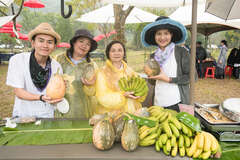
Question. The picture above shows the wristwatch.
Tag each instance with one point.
(40, 98)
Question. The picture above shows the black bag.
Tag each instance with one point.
(219, 72)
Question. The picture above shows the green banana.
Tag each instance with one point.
(174, 129)
(173, 141)
(165, 150)
(164, 138)
(164, 117)
(182, 151)
(143, 92)
(167, 129)
(157, 147)
(168, 145)
(180, 141)
(187, 141)
(184, 129)
(174, 151)
(146, 143)
(176, 122)
(151, 137)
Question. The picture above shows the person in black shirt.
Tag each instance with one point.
(201, 54)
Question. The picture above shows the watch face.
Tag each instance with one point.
(63, 106)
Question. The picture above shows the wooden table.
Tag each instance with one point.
(80, 152)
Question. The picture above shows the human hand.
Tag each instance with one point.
(162, 76)
(131, 95)
(89, 82)
(50, 100)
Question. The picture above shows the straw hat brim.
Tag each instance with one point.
(47, 32)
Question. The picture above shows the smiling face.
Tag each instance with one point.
(163, 38)
(116, 52)
(81, 46)
(43, 44)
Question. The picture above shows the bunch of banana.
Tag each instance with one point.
(134, 84)
(158, 113)
(148, 135)
(203, 146)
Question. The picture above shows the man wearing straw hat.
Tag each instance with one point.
(29, 74)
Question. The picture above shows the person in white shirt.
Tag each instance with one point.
(172, 83)
(29, 74)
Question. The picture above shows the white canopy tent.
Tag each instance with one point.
(5, 19)
(5, 3)
(206, 22)
(106, 15)
(153, 3)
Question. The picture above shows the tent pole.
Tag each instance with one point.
(193, 49)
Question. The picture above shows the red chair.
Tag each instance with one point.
(210, 72)
(228, 71)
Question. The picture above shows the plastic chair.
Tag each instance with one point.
(208, 74)
(228, 71)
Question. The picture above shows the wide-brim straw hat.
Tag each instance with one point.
(148, 33)
(44, 28)
(84, 33)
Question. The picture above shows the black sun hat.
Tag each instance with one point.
(148, 34)
(84, 33)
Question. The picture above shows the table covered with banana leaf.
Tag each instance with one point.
(72, 139)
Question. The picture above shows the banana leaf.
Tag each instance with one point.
(49, 132)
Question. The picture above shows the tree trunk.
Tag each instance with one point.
(120, 19)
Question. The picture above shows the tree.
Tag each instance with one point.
(120, 19)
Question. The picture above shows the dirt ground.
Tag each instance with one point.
(210, 91)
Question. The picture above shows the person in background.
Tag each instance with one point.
(74, 62)
(201, 55)
(222, 58)
(172, 84)
(110, 97)
(29, 74)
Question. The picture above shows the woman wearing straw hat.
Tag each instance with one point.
(172, 83)
(79, 91)
(29, 74)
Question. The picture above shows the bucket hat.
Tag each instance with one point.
(84, 33)
(178, 30)
(44, 28)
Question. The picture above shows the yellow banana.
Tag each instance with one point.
(144, 134)
(207, 142)
(200, 141)
(214, 143)
(193, 147)
(142, 129)
(206, 155)
(197, 153)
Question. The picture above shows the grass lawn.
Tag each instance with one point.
(206, 90)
